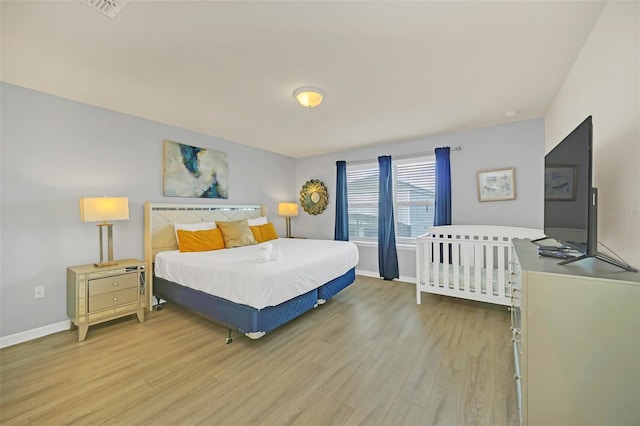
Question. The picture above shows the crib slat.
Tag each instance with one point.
(436, 264)
(466, 261)
(455, 264)
(445, 265)
(488, 285)
(502, 254)
(419, 270)
(477, 268)
(427, 263)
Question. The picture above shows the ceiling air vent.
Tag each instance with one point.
(108, 8)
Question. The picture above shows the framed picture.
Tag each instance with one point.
(497, 185)
(560, 183)
(190, 171)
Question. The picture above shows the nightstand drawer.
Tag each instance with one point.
(114, 283)
(114, 298)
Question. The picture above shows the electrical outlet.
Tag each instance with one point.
(38, 292)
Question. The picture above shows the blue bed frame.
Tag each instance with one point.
(252, 322)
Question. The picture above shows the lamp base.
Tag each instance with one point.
(288, 221)
(109, 261)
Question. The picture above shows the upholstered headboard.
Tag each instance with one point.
(159, 234)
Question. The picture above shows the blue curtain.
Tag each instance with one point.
(443, 187)
(387, 255)
(342, 214)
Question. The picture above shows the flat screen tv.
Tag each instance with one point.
(570, 200)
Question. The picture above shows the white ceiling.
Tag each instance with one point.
(391, 70)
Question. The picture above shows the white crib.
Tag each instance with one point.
(467, 261)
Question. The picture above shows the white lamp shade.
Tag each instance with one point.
(309, 96)
(104, 209)
(288, 209)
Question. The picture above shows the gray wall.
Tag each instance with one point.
(55, 151)
(517, 144)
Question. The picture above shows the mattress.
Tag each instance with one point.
(472, 278)
(235, 275)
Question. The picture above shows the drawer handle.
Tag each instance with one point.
(115, 299)
(115, 284)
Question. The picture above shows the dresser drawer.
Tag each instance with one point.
(113, 283)
(112, 299)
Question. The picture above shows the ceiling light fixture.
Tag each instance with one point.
(308, 96)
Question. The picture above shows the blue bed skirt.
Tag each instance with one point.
(243, 318)
(332, 288)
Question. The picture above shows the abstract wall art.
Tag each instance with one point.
(190, 171)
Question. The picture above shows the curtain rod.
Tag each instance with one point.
(402, 157)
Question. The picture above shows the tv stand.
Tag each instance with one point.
(602, 257)
(575, 357)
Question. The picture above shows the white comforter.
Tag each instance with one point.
(234, 274)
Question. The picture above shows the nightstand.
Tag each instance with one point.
(96, 295)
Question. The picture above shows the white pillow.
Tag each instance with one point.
(262, 220)
(199, 226)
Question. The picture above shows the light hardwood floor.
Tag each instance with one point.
(369, 356)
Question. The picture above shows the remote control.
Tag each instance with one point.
(556, 254)
(554, 248)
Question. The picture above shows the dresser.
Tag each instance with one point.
(576, 340)
(96, 295)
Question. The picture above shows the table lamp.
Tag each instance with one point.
(288, 210)
(104, 209)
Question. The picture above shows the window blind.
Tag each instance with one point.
(414, 197)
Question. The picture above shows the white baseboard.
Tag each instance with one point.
(372, 274)
(25, 336)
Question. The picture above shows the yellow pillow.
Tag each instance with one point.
(236, 233)
(189, 241)
(257, 234)
(264, 232)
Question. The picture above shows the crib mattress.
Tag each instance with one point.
(472, 278)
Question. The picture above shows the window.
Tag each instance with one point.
(413, 192)
(362, 201)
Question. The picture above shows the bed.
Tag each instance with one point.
(229, 286)
(468, 261)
